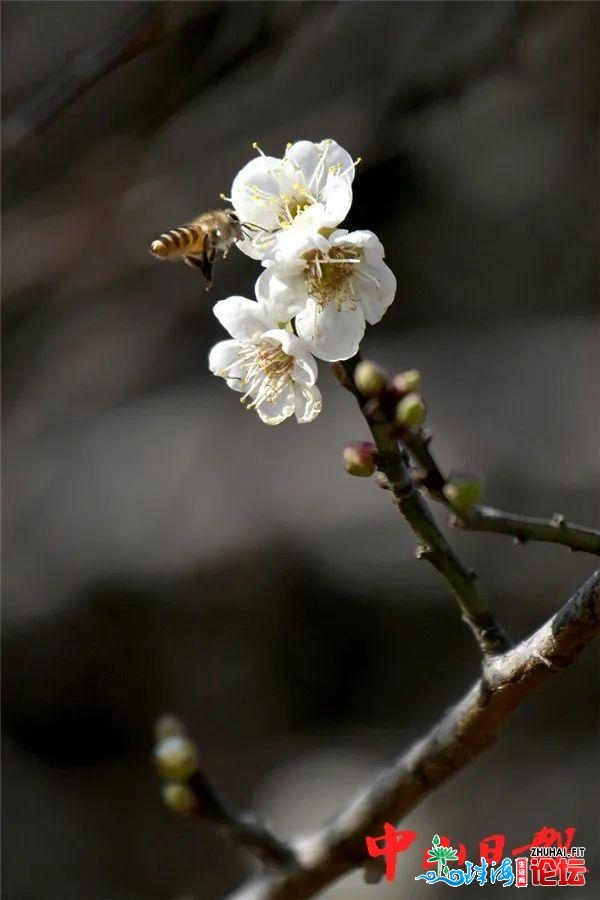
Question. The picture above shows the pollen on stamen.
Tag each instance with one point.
(257, 148)
(223, 197)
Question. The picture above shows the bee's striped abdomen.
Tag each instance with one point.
(177, 241)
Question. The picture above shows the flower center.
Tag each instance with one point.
(328, 275)
(267, 369)
(294, 204)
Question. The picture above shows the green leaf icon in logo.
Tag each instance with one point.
(441, 855)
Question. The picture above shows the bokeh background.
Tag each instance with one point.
(164, 550)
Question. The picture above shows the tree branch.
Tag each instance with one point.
(555, 530)
(463, 733)
(433, 546)
(137, 31)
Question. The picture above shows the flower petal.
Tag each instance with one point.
(223, 361)
(243, 318)
(314, 162)
(282, 408)
(255, 192)
(302, 236)
(332, 334)
(282, 290)
(367, 240)
(337, 198)
(376, 288)
(308, 403)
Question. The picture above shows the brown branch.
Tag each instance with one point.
(464, 732)
(146, 26)
(433, 546)
(555, 530)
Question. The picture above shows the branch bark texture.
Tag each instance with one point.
(464, 732)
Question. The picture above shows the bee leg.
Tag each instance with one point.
(209, 258)
(194, 262)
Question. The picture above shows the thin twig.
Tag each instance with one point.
(433, 546)
(243, 829)
(187, 790)
(465, 731)
(137, 31)
(555, 530)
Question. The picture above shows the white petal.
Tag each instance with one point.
(375, 286)
(223, 362)
(241, 317)
(305, 371)
(314, 162)
(308, 403)
(337, 198)
(255, 192)
(282, 408)
(259, 246)
(282, 291)
(332, 334)
(367, 240)
(303, 235)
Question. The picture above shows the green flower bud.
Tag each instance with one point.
(176, 758)
(360, 458)
(178, 797)
(370, 379)
(411, 411)
(408, 382)
(463, 490)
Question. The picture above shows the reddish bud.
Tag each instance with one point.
(360, 458)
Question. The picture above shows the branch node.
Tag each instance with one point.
(424, 552)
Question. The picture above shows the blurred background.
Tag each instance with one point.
(165, 551)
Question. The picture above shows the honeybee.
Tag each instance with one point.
(198, 243)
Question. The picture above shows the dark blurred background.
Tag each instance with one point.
(163, 550)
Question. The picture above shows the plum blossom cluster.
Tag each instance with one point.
(319, 287)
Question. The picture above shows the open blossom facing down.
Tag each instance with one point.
(332, 285)
(271, 366)
(309, 188)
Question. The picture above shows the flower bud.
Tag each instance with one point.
(176, 758)
(178, 797)
(408, 382)
(168, 726)
(463, 490)
(370, 379)
(411, 411)
(360, 458)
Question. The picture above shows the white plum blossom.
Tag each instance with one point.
(308, 189)
(270, 365)
(332, 285)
